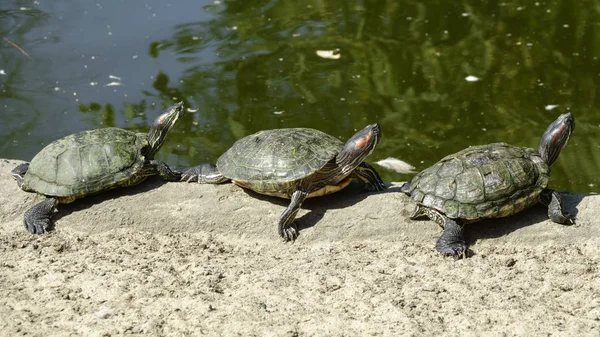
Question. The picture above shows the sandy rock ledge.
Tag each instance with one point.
(178, 259)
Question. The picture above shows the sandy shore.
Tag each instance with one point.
(181, 259)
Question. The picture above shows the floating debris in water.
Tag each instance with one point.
(191, 110)
(2, 72)
(471, 78)
(329, 54)
(396, 165)
(278, 112)
(115, 83)
(550, 106)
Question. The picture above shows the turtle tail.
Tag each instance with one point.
(405, 188)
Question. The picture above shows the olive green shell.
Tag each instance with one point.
(86, 162)
(487, 181)
(270, 160)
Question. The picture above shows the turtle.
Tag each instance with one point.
(294, 163)
(93, 161)
(489, 181)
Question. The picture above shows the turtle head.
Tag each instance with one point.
(358, 147)
(160, 128)
(556, 137)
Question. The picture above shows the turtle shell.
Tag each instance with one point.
(86, 162)
(269, 160)
(487, 181)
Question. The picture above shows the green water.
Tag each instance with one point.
(243, 65)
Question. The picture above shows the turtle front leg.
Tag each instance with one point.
(204, 174)
(452, 241)
(19, 173)
(37, 219)
(553, 200)
(369, 177)
(287, 229)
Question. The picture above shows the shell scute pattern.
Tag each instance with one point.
(278, 156)
(485, 181)
(470, 189)
(85, 162)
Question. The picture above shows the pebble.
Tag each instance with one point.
(103, 313)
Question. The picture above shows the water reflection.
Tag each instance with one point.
(251, 65)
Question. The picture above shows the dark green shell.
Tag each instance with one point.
(86, 162)
(278, 157)
(487, 181)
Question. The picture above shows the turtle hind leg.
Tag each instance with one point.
(452, 241)
(287, 229)
(369, 177)
(203, 174)
(37, 219)
(553, 200)
(19, 173)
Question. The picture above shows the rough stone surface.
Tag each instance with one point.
(180, 259)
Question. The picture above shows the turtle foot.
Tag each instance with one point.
(203, 174)
(37, 219)
(553, 200)
(20, 170)
(563, 218)
(19, 173)
(452, 241)
(457, 249)
(165, 172)
(190, 175)
(289, 233)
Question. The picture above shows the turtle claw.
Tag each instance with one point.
(289, 233)
(456, 249)
(203, 174)
(452, 241)
(569, 219)
(37, 219)
(37, 226)
(191, 175)
(19, 173)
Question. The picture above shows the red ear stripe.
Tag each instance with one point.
(363, 141)
(162, 118)
(558, 133)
